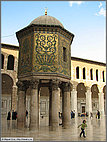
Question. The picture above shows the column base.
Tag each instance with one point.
(21, 125)
(66, 126)
(53, 128)
(33, 127)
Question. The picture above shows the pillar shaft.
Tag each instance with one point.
(101, 102)
(34, 106)
(54, 113)
(74, 100)
(21, 110)
(88, 101)
(14, 98)
(66, 120)
(50, 106)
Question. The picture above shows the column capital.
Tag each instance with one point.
(66, 86)
(101, 93)
(22, 85)
(74, 86)
(34, 83)
(88, 89)
(55, 84)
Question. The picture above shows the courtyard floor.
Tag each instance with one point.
(95, 131)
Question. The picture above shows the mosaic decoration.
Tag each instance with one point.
(42, 53)
(25, 57)
(64, 67)
(45, 52)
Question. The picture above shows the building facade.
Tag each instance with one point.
(86, 76)
(40, 76)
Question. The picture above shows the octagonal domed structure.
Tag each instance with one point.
(46, 20)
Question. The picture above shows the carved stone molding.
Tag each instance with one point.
(34, 83)
(23, 85)
(88, 89)
(66, 87)
(55, 84)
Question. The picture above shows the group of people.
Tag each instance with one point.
(72, 114)
(84, 125)
(14, 115)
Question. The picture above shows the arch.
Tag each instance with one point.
(77, 72)
(7, 83)
(84, 74)
(11, 75)
(91, 74)
(81, 89)
(10, 64)
(95, 91)
(2, 61)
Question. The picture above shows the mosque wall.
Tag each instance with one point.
(96, 81)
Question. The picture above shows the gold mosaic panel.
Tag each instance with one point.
(25, 57)
(45, 57)
(64, 67)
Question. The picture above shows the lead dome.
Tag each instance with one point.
(46, 20)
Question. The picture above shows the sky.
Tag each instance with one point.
(85, 19)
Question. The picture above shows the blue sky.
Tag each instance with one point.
(85, 19)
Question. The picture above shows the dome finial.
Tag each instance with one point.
(46, 11)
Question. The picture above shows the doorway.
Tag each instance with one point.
(83, 109)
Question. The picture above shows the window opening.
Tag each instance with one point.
(64, 54)
(2, 59)
(84, 77)
(97, 75)
(77, 72)
(10, 65)
(103, 76)
(91, 74)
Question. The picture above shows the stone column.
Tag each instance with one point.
(50, 105)
(74, 100)
(66, 117)
(54, 113)
(14, 97)
(88, 100)
(21, 110)
(101, 102)
(34, 105)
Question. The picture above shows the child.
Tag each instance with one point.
(83, 125)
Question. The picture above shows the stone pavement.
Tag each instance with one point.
(95, 131)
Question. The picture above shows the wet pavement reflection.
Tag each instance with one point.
(95, 131)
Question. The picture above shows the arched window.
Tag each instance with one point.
(77, 72)
(91, 74)
(97, 75)
(2, 61)
(84, 77)
(103, 76)
(10, 65)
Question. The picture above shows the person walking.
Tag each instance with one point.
(91, 115)
(98, 114)
(83, 125)
(9, 116)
